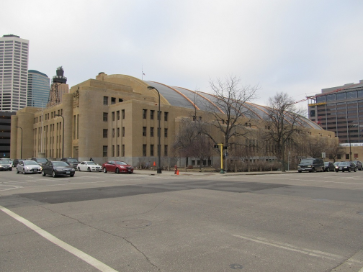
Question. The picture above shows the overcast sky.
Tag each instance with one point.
(297, 47)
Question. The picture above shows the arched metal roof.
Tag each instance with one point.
(181, 97)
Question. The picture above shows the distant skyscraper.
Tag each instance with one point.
(13, 72)
(38, 89)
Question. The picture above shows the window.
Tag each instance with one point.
(165, 150)
(120, 100)
(123, 150)
(144, 150)
(105, 100)
(104, 152)
(118, 132)
(123, 131)
(152, 132)
(118, 115)
(152, 150)
(143, 131)
(113, 151)
(152, 114)
(105, 117)
(105, 133)
(165, 116)
(113, 133)
(347, 156)
(118, 150)
(123, 114)
(144, 112)
(113, 100)
(113, 116)
(165, 132)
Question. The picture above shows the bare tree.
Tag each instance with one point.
(282, 124)
(229, 109)
(333, 149)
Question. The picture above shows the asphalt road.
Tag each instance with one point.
(110, 222)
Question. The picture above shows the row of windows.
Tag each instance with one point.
(144, 132)
(152, 150)
(114, 115)
(113, 100)
(339, 96)
(53, 114)
(152, 114)
(115, 151)
(114, 132)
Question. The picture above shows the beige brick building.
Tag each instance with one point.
(114, 117)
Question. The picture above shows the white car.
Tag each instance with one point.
(89, 166)
(28, 166)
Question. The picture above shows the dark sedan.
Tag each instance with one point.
(329, 166)
(117, 167)
(345, 166)
(57, 168)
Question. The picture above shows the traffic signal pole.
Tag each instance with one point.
(221, 146)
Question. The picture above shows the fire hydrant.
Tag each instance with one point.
(176, 172)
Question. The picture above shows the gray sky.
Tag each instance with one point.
(297, 47)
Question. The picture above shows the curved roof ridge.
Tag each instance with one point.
(252, 110)
(198, 93)
(190, 101)
(273, 109)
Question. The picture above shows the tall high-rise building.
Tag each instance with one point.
(14, 53)
(38, 89)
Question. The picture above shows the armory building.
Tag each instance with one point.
(115, 117)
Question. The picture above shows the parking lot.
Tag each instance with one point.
(190, 222)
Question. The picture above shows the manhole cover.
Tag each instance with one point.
(135, 223)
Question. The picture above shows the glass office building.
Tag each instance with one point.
(38, 89)
(13, 72)
(340, 109)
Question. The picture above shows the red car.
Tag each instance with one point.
(117, 167)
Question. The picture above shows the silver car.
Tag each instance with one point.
(28, 166)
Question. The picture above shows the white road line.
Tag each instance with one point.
(310, 252)
(11, 188)
(78, 253)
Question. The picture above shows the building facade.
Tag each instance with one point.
(13, 72)
(38, 89)
(116, 117)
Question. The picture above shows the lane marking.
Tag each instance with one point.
(78, 253)
(310, 252)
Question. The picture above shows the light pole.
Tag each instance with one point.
(350, 143)
(21, 144)
(58, 115)
(159, 130)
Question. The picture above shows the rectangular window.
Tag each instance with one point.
(165, 116)
(165, 150)
(113, 116)
(113, 133)
(118, 150)
(165, 132)
(113, 151)
(105, 100)
(113, 100)
(118, 115)
(143, 131)
(152, 114)
(123, 150)
(144, 150)
(347, 156)
(152, 150)
(152, 132)
(144, 113)
(105, 133)
(123, 114)
(123, 131)
(105, 117)
(104, 151)
(118, 132)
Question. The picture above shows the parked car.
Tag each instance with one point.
(311, 165)
(89, 166)
(58, 168)
(329, 166)
(345, 166)
(359, 165)
(28, 167)
(40, 161)
(71, 161)
(117, 167)
(6, 165)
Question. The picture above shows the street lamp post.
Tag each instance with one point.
(58, 115)
(159, 130)
(21, 144)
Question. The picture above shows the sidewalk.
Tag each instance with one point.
(195, 173)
